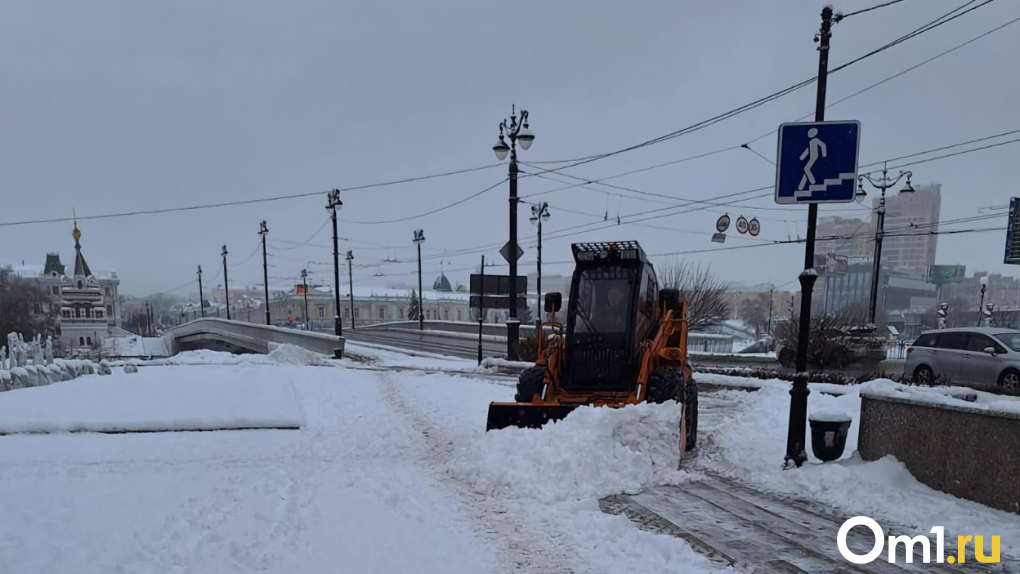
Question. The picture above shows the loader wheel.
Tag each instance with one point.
(530, 384)
(691, 413)
(664, 384)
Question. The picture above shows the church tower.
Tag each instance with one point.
(83, 315)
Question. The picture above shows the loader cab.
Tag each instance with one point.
(610, 309)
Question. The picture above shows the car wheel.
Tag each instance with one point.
(923, 375)
(1010, 379)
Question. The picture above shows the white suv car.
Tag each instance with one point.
(974, 355)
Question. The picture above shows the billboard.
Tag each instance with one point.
(942, 274)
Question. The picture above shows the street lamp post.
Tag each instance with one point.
(304, 282)
(539, 213)
(263, 231)
(332, 206)
(981, 305)
(201, 298)
(883, 183)
(350, 278)
(226, 285)
(419, 238)
(517, 132)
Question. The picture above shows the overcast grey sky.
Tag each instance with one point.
(120, 106)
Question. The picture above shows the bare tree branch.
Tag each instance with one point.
(705, 293)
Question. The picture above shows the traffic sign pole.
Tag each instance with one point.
(796, 452)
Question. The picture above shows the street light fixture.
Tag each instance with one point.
(517, 132)
(333, 204)
(883, 183)
(539, 213)
(264, 231)
(419, 238)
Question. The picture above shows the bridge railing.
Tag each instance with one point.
(208, 331)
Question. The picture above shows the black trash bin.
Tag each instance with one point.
(828, 434)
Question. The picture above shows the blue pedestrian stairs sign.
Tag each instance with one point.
(817, 162)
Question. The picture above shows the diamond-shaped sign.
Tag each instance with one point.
(507, 250)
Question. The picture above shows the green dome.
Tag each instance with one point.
(442, 285)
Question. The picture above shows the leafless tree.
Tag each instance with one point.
(705, 293)
(21, 308)
(828, 343)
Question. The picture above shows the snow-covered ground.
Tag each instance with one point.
(751, 447)
(392, 472)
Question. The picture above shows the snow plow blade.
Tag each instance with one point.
(524, 415)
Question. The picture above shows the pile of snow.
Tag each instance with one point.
(206, 357)
(592, 453)
(153, 400)
(136, 346)
(294, 355)
(548, 481)
(751, 445)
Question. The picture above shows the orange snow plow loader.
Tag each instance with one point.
(624, 342)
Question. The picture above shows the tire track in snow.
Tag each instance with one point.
(523, 549)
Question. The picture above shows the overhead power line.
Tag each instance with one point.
(845, 16)
(445, 207)
(948, 17)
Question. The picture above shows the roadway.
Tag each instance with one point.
(461, 345)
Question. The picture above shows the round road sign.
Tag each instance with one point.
(722, 224)
(741, 224)
(753, 227)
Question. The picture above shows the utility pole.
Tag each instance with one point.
(981, 305)
(226, 285)
(263, 231)
(304, 281)
(539, 213)
(517, 132)
(419, 238)
(481, 312)
(332, 205)
(769, 329)
(796, 433)
(350, 278)
(201, 297)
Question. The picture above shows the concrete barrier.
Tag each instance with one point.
(967, 452)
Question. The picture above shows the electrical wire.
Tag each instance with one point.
(845, 16)
(445, 207)
(242, 202)
(948, 17)
(955, 154)
(306, 242)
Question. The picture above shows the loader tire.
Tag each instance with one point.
(529, 384)
(664, 384)
(691, 413)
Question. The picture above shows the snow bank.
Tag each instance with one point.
(153, 400)
(548, 480)
(497, 363)
(962, 397)
(294, 355)
(750, 447)
(592, 453)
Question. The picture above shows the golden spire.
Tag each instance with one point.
(76, 234)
